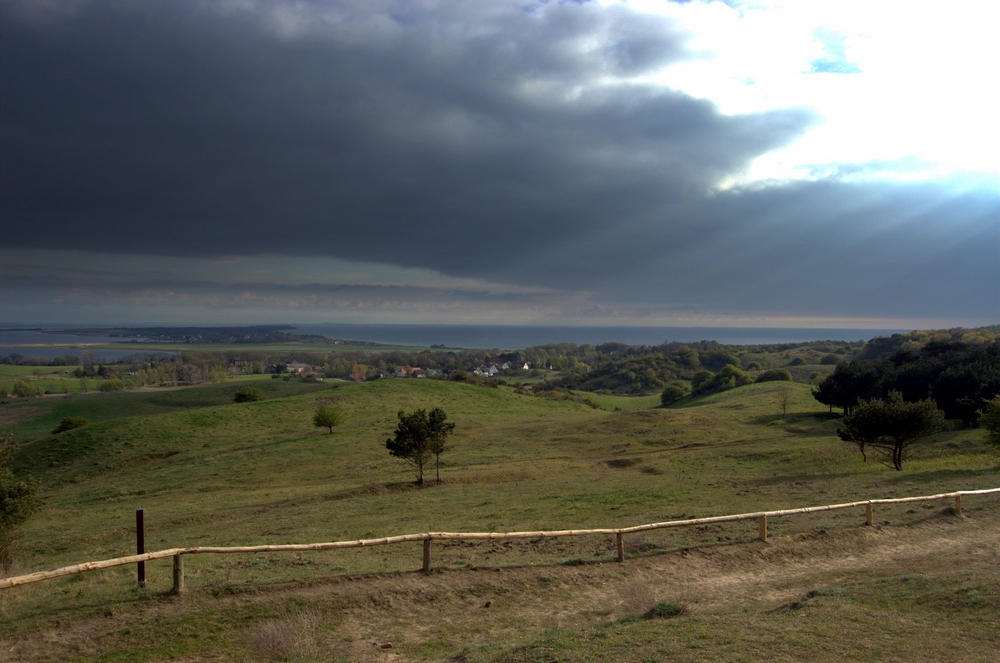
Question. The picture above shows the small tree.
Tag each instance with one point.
(418, 436)
(326, 417)
(890, 426)
(989, 419)
(17, 502)
(674, 391)
(784, 398)
(439, 430)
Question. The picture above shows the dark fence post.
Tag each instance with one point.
(140, 545)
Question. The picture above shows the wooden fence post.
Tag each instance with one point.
(619, 541)
(869, 514)
(958, 504)
(762, 527)
(178, 575)
(427, 555)
(140, 546)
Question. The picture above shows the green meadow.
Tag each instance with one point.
(207, 471)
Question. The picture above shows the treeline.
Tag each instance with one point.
(17, 359)
(960, 378)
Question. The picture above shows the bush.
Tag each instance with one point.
(774, 375)
(730, 376)
(674, 391)
(26, 389)
(798, 361)
(69, 423)
(665, 610)
(248, 395)
(17, 502)
(112, 384)
(830, 360)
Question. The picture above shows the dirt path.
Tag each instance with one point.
(460, 607)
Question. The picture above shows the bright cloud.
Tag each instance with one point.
(905, 84)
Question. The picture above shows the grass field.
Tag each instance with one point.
(209, 472)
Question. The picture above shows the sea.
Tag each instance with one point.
(26, 340)
(515, 337)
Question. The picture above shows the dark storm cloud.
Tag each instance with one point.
(502, 142)
(170, 127)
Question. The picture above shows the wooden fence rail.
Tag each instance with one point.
(427, 537)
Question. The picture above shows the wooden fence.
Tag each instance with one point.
(618, 532)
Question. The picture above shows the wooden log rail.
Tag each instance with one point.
(427, 537)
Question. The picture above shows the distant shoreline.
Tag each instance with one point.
(503, 337)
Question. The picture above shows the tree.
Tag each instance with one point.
(784, 398)
(26, 389)
(326, 417)
(418, 436)
(989, 419)
(674, 391)
(248, 395)
(439, 430)
(775, 375)
(17, 502)
(891, 425)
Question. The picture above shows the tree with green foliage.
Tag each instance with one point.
(326, 417)
(775, 375)
(730, 376)
(700, 380)
(248, 395)
(989, 419)
(418, 437)
(17, 502)
(69, 423)
(674, 391)
(891, 426)
(27, 389)
(439, 429)
(112, 384)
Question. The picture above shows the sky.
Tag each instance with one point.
(701, 163)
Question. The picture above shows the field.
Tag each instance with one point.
(209, 472)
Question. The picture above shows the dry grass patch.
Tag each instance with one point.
(288, 638)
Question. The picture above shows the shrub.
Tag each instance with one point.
(286, 639)
(248, 395)
(798, 361)
(17, 502)
(830, 360)
(69, 423)
(665, 610)
(112, 384)
(637, 597)
(26, 389)
(775, 375)
(730, 376)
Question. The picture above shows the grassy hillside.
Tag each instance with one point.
(207, 471)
